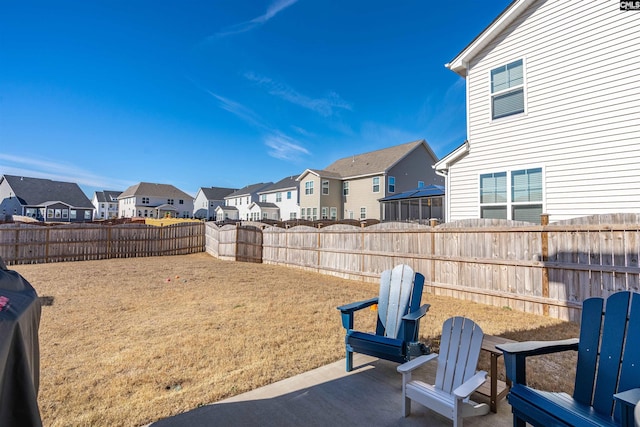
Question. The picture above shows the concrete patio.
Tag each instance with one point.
(370, 395)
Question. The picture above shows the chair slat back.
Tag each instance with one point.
(396, 288)
(459, 352)
(608, 330)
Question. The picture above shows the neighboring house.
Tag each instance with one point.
(150, 200)
(43, 199)
(284, 196)
(105, 204)
(208, 199)
(553, 115)
(241, 200)
(350, 188)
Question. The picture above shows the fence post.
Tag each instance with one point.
(433, 222)
(544, 238)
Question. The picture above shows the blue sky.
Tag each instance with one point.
(225, 92)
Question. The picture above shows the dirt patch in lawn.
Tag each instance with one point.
(131, 341)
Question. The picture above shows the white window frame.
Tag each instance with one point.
(522, 86)
(308, 188)
(324, 213)
(278, 197)
(325, 187)
(510, 204)
(375, 184)
(363, 212)
(345, 188)
(333, 213)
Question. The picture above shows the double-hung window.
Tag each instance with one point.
(345, 188)
(376, 184)
(308, 188)
(325, 188)
(392, 184)
(507, 90)
(515, 195)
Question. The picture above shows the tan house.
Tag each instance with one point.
(351, 187)
(151, 200)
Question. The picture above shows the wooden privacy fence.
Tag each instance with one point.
(30, 244)
(546, 269)
(234, 242)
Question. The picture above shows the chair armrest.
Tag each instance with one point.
(465, 389)
(535, 348)
(419, 313)
(359, 305)
(416, 363)
(629, 401)
(515, 355)
(348, 310)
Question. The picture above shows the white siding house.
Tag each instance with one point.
(105, 204)
(238, 203)
(553, 114)
(284, 195)
(207, 200)
(151, 200)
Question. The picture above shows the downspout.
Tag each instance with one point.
(447, 194)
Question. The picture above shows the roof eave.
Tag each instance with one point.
(460, 63)
(452, 157)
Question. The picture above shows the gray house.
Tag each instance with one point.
(43, 199)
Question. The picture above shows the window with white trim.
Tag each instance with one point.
(263, 198)
(363, 213)
(325, 188)
(308, 188)
(520, 201)
(345, 188)
(507, 90)
(392, 184)
(278, 197)
(333, 212)
(376, 184)
(323, 214)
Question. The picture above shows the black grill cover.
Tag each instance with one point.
(19, 350)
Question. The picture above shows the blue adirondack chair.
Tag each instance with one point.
(399, 314)
(607, 384)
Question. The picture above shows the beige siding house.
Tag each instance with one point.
(151, 200)
(553, 114)
(350, 188)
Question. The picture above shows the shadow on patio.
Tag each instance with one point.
(370, 395)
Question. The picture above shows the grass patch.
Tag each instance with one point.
(131, 341)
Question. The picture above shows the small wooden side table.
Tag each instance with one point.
(497, 389)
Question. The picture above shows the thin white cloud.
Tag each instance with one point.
(45, 169)
(281, 146)
(238, 110)
(324, 106)
(284, 148)
(273, 9)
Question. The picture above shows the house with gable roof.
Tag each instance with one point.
(553, 115)
(151, 200)
(105, 204)
(236, 206)
(278, 201)
(43, 199)
(208, 199)
(351, 187)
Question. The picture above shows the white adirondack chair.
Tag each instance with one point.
(456, 376)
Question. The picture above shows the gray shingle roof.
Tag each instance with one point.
(107, 196)
(284, 183)
(37, 191)
(150, 189)
(217, 193)
(249, 189)
(374, 162)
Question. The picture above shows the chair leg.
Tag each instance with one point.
(518, 422)
(349, 360)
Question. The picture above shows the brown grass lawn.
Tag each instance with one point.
(131, 341)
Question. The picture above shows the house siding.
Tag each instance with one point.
(582, 103)
(361, 195)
